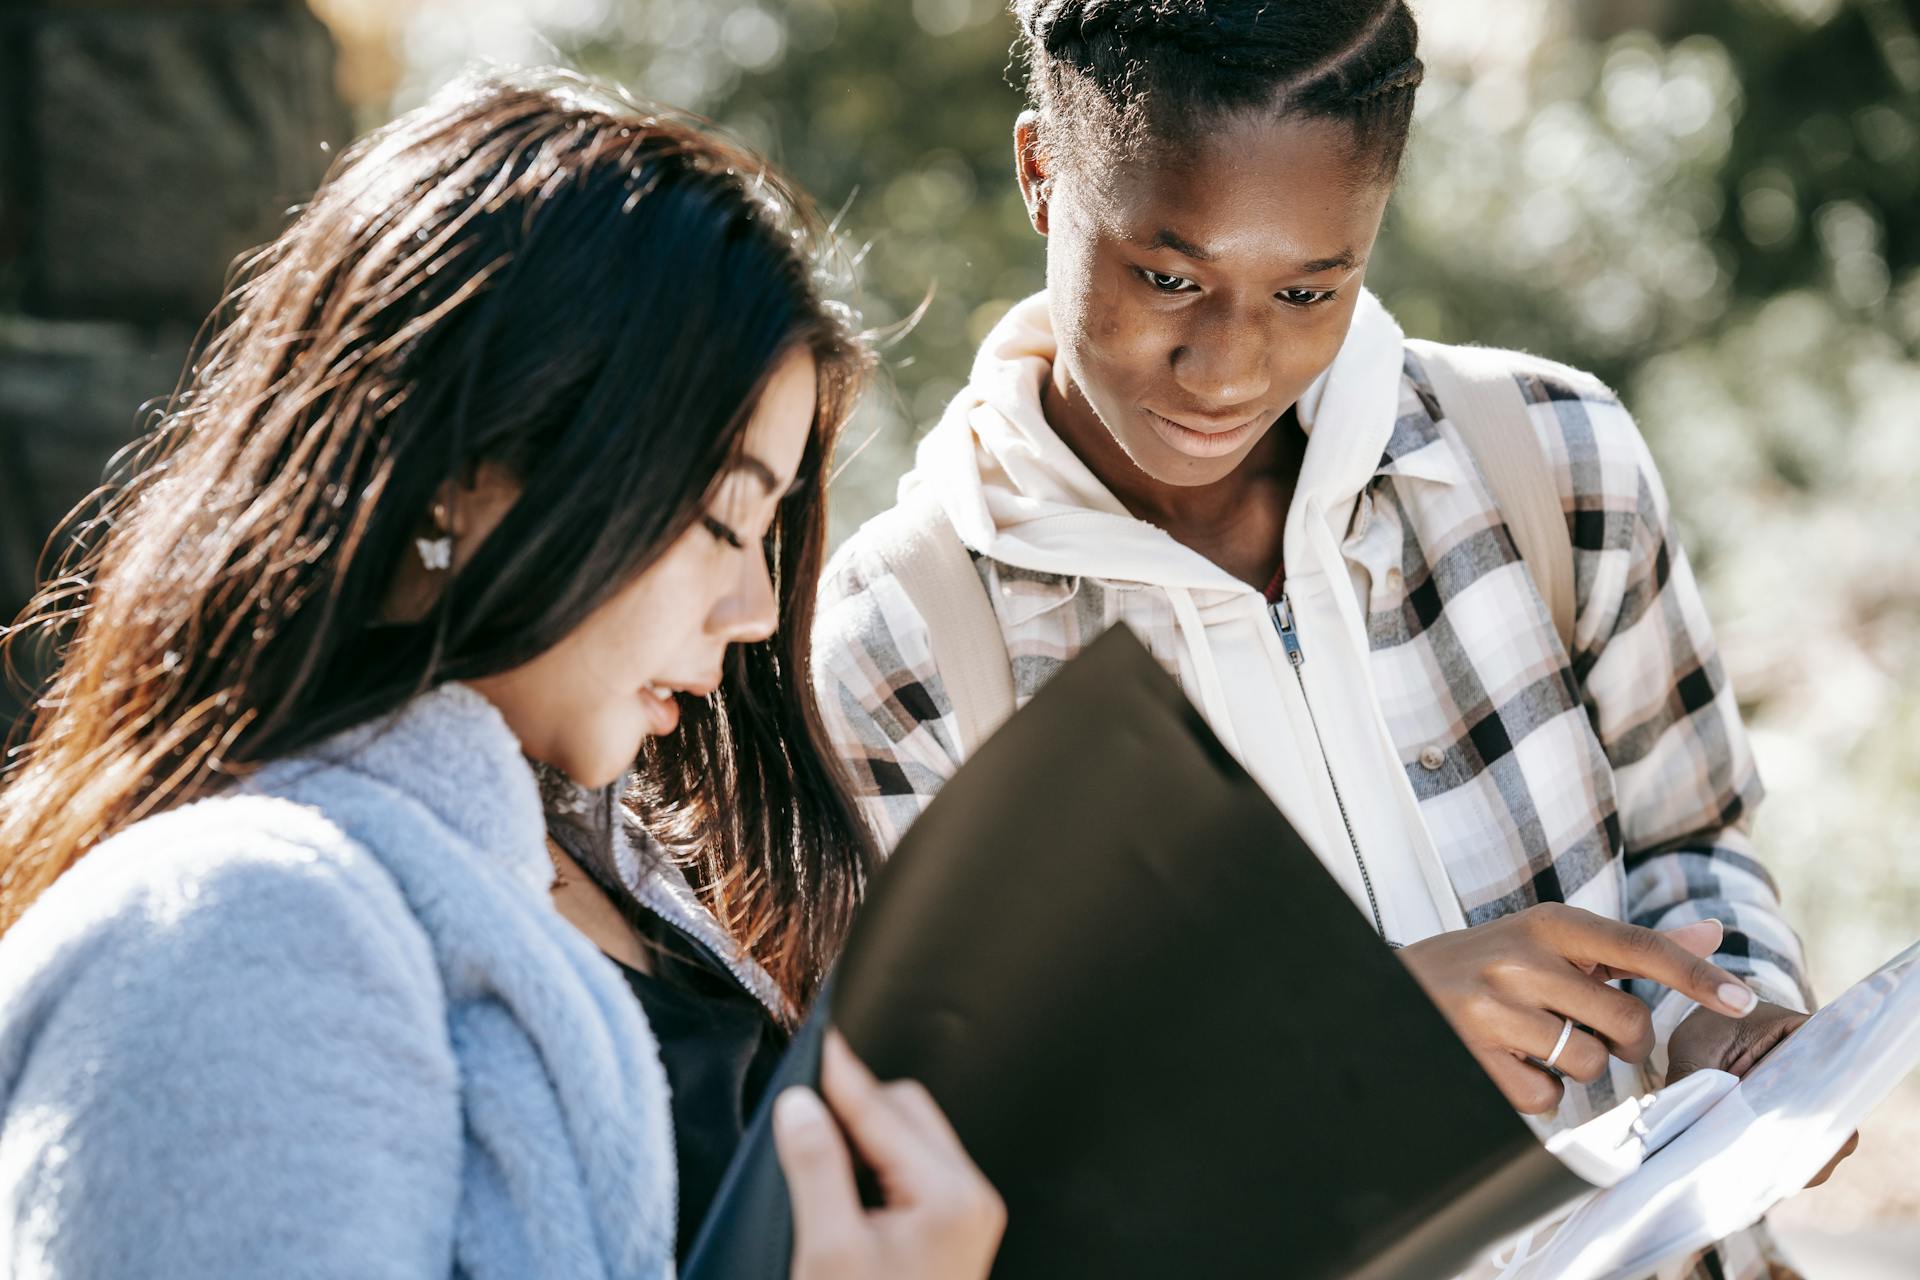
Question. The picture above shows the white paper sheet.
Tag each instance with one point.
(1755, 1146)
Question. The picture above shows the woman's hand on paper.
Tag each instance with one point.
(1508, 987)
(941, 1218)
(1705, 1039)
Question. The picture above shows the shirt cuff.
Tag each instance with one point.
(1668, 1013)
(1672, 1008)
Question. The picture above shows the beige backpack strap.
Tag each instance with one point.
(932, 566)
(1480, 396)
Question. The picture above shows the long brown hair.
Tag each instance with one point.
(532, 272)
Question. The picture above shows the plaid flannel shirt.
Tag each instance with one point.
(1616, 778)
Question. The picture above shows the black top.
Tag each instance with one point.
(719, 1046)
(717, 1041)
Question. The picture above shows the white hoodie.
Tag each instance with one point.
(1312, 735)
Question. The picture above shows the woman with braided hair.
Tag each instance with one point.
(1206, 428)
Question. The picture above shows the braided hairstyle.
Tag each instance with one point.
(1136, 73)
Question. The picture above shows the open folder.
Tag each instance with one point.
(1157, 1023)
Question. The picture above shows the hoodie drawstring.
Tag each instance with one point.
(1213, 695)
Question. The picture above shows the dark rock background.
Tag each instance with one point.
(144, 146)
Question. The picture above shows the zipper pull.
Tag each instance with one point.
(1282, 610)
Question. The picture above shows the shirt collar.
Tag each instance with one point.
(1419, 449)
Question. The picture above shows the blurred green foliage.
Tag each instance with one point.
(1607, 183)
(898, 113)
(1714, 204)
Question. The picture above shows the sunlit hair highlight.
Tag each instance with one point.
(532, 272)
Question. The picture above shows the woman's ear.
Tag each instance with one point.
(472, 506)
(1032, 167)
(458, 519)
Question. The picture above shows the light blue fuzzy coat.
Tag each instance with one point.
(330, 1025)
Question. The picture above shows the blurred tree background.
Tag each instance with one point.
(1714, 204)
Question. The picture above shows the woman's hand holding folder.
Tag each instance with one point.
(941, 1219)
(1532, 987)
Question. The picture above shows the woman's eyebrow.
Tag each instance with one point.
(759, 471)
(1166, 239)
(1169, 239)
(1338, 262)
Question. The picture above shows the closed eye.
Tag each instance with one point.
(725, 533)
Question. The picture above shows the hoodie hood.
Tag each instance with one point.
(1016, 493)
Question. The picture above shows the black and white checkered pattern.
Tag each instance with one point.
(1616, 778)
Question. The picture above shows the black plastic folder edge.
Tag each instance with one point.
(1404, 1125)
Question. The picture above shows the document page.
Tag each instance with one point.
(1754, 1147)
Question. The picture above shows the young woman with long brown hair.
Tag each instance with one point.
(509, 453)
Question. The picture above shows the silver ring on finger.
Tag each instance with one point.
(1560, 1045)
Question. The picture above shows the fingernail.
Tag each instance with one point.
(1738, 997)
(798, 1109)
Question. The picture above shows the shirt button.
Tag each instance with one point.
(1394, 576)
(1432, 758)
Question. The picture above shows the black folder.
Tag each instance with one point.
(1160, 1027)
